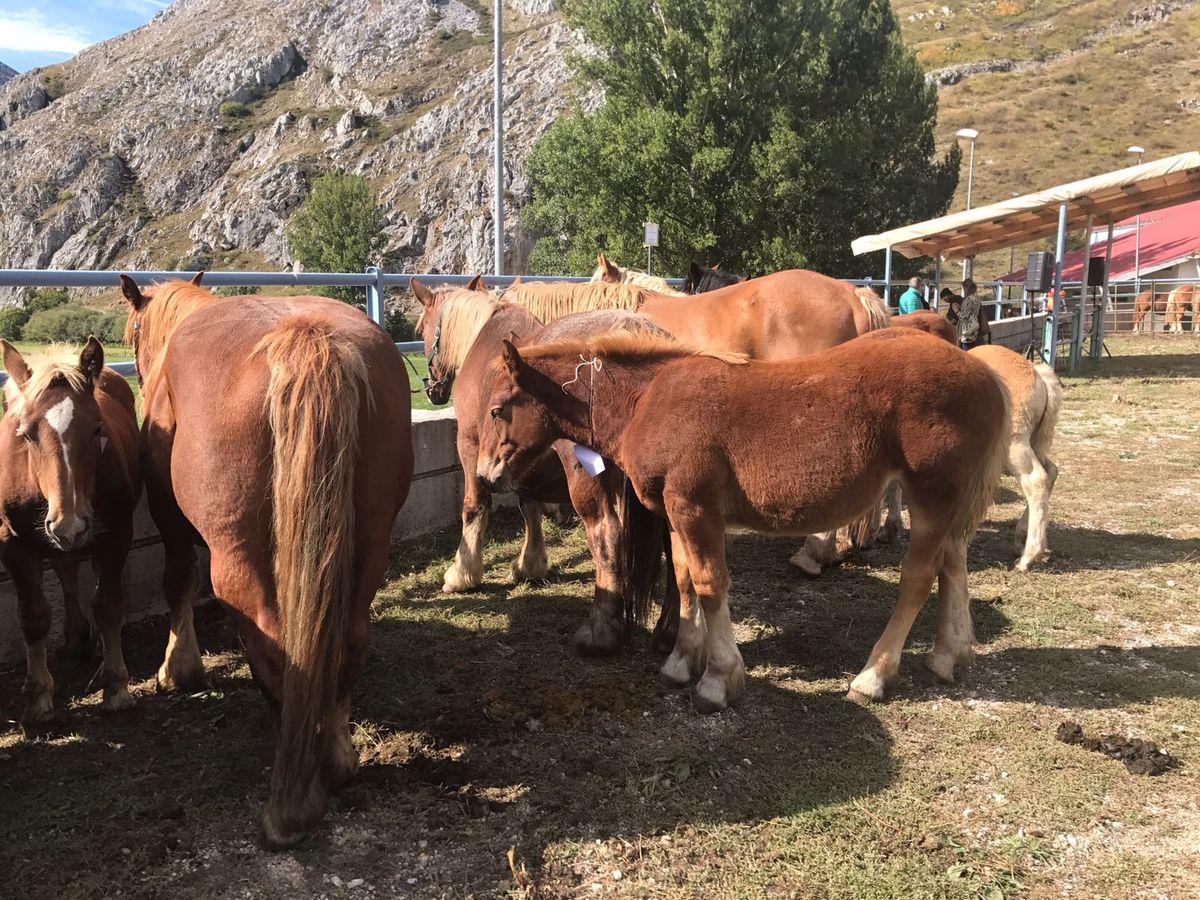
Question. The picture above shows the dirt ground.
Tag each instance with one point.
(484, 738)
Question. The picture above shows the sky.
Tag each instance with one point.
(42, 32)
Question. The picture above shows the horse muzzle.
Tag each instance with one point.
(69, 532)
(438, 392)
(495, 475)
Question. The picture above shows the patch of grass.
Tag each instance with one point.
(232, 109)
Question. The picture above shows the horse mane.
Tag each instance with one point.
(878, 314)
(463, 314)
(170, 303)
(650, 282)
(551, 300)
(632, 348)
(56, 361)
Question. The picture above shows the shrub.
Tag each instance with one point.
(47, 298)
(398, 327)
(235, 290)
(232, 109)
(337, 229)
(12, 320)
(111, 329)
(70, 324)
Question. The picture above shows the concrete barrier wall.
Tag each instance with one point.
(433, 502)
(1017, 333)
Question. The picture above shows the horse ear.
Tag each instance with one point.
(15, 365)
(91, 360)
(512, 358)
(197, 278)
(422, 293)
(133, 293)
(612, 269)
(476, 284)
(515, 281)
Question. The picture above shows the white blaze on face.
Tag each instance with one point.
(59, 416)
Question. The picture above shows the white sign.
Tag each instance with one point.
(651, 237)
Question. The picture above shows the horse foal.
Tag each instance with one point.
(68, 484)
(711, 440)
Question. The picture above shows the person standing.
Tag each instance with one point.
(969, 315)
(912, 300)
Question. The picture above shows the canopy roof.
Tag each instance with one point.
(1110, 197)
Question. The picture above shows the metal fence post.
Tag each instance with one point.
(999, 302)
(887, 277)
(375, 295)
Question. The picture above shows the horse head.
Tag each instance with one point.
(55, 417)
(439, 380)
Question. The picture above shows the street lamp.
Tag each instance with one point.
(1137, 237)
(966, 139)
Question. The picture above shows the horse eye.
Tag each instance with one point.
(496, 411)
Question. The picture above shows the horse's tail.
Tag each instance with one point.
(981, 487)
(878, 315)
(640, 554)
(318, 385)
(1043, 436)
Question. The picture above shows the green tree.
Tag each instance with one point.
(761, 134)
(337, 229)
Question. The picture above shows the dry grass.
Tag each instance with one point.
(481, 731)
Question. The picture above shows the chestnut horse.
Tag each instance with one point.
(1186, 296)
(68, 484)
(611, 273)
(709, 440)
(463, 331)
(277, 431)
(1142, 307)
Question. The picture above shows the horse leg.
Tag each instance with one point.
(954, 637)
(77, 633)
(687, 658)
(1036, 485)
(531, 565)
(666, 629)
(894, 522)
(703, 539)
(819, 550)
(182, 668)
(108, 609)
(917, 572)
(33, 613)
(466, 572)
(595, 501)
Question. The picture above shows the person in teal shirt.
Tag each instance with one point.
(912, 299)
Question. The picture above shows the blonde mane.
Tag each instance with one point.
(549, 301)
(633, 276)
(170, 303)
(463, 314)
(56, 361)
(632, 348)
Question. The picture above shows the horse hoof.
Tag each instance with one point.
(667, 683)
(39, 712)
(942, 666)
(118, 700)
(455, 581)
(535, 571)
(866, 688)
(597, 638)
(169, 682)
(806, 564)
(706, 704)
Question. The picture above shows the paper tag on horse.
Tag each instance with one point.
(592, 462)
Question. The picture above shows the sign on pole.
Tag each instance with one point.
(651, 234)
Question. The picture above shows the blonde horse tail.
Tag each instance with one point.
(318, 386)
(878, 315)
(1042, 438)
(986, 477)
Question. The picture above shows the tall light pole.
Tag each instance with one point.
(498, 128)
(966, 139)
(1137, 237)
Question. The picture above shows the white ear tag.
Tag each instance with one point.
(103, 443)
(592, 462)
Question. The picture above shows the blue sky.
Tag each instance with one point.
(41, 32)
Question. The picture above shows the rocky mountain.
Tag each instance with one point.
(191, 140)
(6, 72)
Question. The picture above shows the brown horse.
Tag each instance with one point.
(709, 440)
(610, 272)
(463, 332)
(68, 485)
(1142, 307)
(929, 322)
(277, 431)
(1184, 297)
